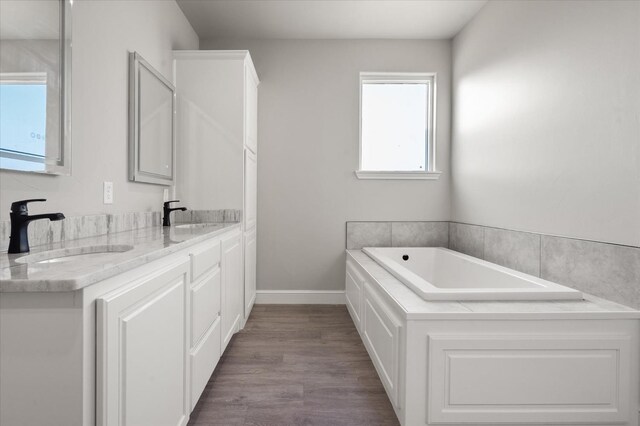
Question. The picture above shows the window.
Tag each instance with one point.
(23, 120)
(397, 119)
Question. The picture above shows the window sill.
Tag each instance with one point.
(366, 174)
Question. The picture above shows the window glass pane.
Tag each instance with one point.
(23, 111)
(394, 126)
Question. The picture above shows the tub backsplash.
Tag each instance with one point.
(75, 227)
(605, 270)
(397, 234)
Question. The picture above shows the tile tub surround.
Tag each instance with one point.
(397, 234)
(515, 250)
(416, 308)
(605, 270)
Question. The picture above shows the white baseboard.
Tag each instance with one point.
(300, 297)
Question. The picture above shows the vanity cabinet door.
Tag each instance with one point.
(250, 189)
(250, 251)
(141, 350)
(232, 288)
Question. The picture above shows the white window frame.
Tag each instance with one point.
(431, 172)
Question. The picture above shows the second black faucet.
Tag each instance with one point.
(166, 210)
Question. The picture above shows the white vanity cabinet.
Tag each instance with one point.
(137, 348)
(159, 338)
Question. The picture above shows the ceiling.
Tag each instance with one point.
(329, 19)
(29, 20)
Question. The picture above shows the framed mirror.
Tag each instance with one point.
(151, 124)
(35, 86)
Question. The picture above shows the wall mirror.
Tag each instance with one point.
(151, 124)
(35, 86)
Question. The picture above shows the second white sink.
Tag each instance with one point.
(195, 225)
(73, 254)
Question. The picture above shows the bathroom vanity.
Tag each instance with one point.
(121, 329)
(459, 362)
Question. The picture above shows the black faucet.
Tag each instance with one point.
(20, 219)
(166, 221)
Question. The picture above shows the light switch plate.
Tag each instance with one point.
(108, 193)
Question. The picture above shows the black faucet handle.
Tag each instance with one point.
(166, 203)
(21, 206)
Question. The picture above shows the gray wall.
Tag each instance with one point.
(546, 135)
(103, 32)
(308, 151)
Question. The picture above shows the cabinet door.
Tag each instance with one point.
(141, 350)
(249, 270)
(250, 189)
(232, 288)
(251, 112)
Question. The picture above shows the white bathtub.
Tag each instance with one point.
(443, 274)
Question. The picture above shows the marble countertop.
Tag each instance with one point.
(415, 308)
(147, 244)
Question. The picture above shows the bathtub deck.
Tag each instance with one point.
(416, 308)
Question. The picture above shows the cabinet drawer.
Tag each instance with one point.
(204, 359)
(205, 304)
(204, 258)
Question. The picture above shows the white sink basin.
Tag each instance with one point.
(195, 225)
(73, 254)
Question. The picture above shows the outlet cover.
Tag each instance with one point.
(108, 193)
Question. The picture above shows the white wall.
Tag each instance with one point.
(103, 33)
(308, 151)
(546, 132)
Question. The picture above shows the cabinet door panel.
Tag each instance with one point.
(204, 358)
(250, 189)
(381, 336)
(251, 113)
(232, 288)
(249, 271)
(204, 258)
(141, 348)
(205, 304)
(520, 378)
(353, 296)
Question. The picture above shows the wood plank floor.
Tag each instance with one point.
(295, 365)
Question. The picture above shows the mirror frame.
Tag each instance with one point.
(62, 164)
(135, 173)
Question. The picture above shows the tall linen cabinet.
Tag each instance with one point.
(217, 143)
